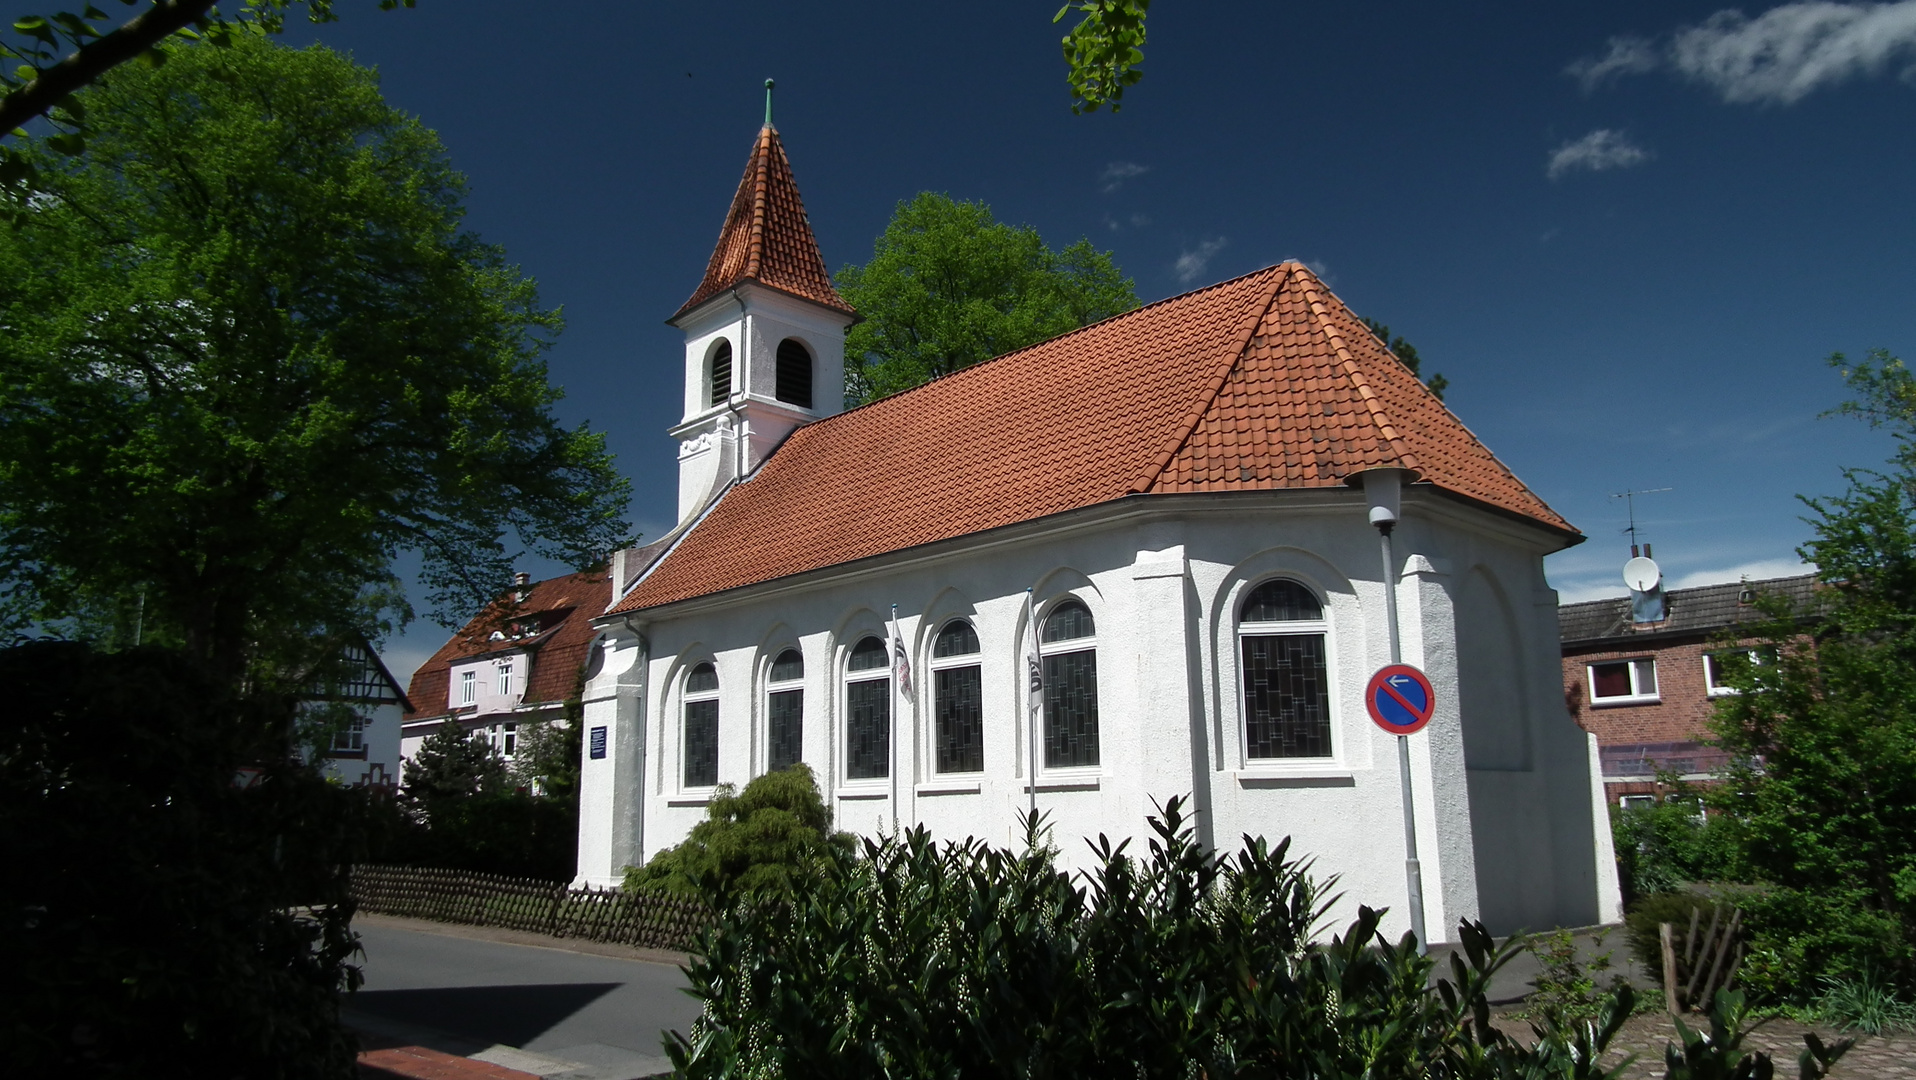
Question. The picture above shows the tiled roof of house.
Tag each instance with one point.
(767, 238)
(1699, 610)
(556, 623)
(1259, 383)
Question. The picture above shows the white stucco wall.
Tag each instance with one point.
(1163, 578)
(380, 741)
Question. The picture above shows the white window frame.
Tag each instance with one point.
(504, 674)
(1632, 802)
(935, 664)
(1060, 648)
(509, 741)
(1320, 626)
(468, 687)
(1710, 685)
(687, 698)
(352, 737)
(844, 735)
(780, 687)
(1636, 696)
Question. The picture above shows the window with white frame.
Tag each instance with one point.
(700, 757)
(509, 740)
(1637, 802)
(1068, 648)
(785, 711)
(1624, 682)
(505, 678)
(1281, 645)
(468, 687)
(1716, 673)
(958, 728)
(868, 711)
(352, 737)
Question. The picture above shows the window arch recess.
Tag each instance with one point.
(718, 369)
(1281, 600)
(792, 382)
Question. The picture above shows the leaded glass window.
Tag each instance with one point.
(1284, 673)
(701, 727)
(1070, 655)
(785, 711)
(958, 728)
(868, 712)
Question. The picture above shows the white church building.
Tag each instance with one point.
(1175, 503)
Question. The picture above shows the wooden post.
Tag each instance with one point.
(1667, 933)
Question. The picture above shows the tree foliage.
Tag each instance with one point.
(764, 838)
(1102, 52)
(451, 765)
(176, 891)
(948, 285)
(1825, 729)
(249, 356)
(1406, 354)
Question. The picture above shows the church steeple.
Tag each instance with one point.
(764, 332)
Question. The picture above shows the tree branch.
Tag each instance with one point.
(96, 58)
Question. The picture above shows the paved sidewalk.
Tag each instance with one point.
(541, 1009)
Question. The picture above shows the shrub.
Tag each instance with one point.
(1666, 847)
(762, 838)
(1640, 925)
(163, 917)
(1864, 1002)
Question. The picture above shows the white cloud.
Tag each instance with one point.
(1194, 261)
(1780, 57)
(1116, 173)
(1753, 571)
(1627, 56)
(1601, 149)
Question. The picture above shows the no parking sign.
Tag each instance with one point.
(1400, 699)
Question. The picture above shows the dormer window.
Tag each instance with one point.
(721, 385)
(794, 382)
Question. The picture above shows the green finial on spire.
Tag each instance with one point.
(768, 103)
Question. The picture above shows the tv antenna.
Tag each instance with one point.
(1630, 502)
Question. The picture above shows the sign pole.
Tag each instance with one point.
(1413, 869)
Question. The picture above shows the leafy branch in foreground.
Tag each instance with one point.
(1103, 50)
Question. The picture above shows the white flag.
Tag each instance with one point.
(900, 662)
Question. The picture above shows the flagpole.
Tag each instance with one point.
(1034, 689)
(892, 735)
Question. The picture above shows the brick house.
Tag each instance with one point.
(1646, 690)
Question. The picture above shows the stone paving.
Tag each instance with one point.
(1889, 1057)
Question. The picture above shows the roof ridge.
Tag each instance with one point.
(761, 183)
(1195, 416)
(1373, 405)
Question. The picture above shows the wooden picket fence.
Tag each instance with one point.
(1695, 968)
(647, 920)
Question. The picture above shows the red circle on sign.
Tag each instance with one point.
(1399, 699)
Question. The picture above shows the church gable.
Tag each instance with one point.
(1263, 382)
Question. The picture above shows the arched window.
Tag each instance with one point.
(1069, 649)
(701, 727)
(720, 389)
(868, 712)
(957, 700)
(785, 711)
(794, 374)
(1287, 707)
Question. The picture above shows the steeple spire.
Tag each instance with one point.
(767, 237)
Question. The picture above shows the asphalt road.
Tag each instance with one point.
(546, 1011)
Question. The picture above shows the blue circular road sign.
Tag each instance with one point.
(1400, 699)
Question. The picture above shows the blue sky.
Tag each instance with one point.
(1628, 233)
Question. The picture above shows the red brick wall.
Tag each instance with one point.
(1679, 716)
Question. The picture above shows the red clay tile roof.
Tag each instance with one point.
(767, 238)
(563, 608)
(1263, 382)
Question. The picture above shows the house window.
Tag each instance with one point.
(1624, 682)
(1637, 802)
(868, 712)
(468, 687)
(1287, 707)
(352, 736)
(1715, 671)
(511, 739)
(958, 700)
(794, 374)
(701, 727)
(1068, 647)
(505, 678)
(785, 711)
(720, 389)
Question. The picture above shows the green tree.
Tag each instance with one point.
(547, 756)
(762, 838)
(948, 286)
(250, 356)
(451, 765)
(1406, 354)
(1825, 726)
(1102, 52)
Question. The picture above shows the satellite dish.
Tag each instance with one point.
(1641, 574)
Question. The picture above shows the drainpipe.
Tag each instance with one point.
(1384, 488)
